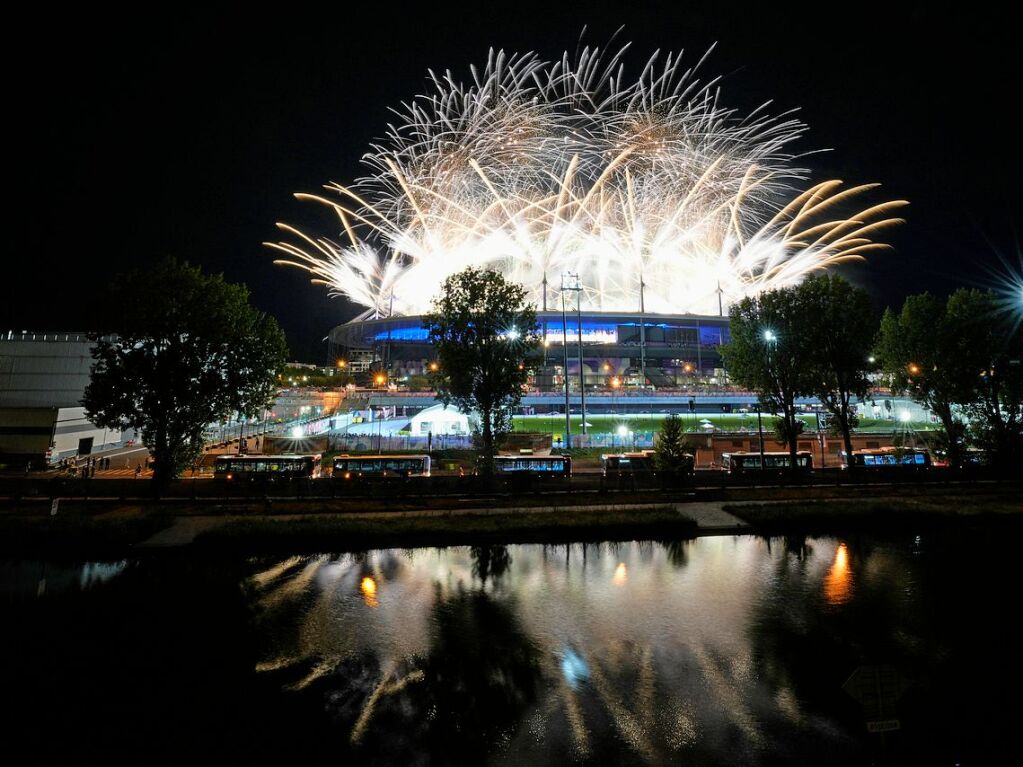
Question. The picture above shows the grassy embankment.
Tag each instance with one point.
(114, 529)
(338, 532)
(78, 529)
(810, 516)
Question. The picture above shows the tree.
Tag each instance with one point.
(926, 351)
(995, 408)
(482, 328)
(671, 454)
(179, 351)
(839, 334)
(766, 354)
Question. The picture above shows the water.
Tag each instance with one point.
(730, 650)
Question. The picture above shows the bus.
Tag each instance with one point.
(545, 465)
(743, 462)
(887, 457)
(359, 466)
(627, 463)
(266, 467)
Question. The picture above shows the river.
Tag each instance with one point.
(719, 650)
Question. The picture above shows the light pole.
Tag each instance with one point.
(379, 419)
(567, 442)
(570, 281)
(770, 338)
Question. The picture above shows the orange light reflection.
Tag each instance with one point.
(838, 581)
(621, 574)
(369, 592)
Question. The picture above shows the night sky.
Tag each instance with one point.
(188, 136)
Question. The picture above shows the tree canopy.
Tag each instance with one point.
(963, 359)
(766, 354)
(839, 327)
(180, 350)
(482, 328)
(926, 351)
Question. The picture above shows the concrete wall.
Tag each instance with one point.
(43, 369)
(72, 426)
(42, 379)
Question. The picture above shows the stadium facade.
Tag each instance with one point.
(621, 349)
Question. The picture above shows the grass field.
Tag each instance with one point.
(733, 422)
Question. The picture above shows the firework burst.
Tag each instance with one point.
(659, 197)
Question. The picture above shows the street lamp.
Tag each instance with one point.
(623, 432)
(772, 339)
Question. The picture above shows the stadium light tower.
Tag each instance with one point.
(570, 281)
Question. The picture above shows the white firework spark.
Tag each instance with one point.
(655, 194)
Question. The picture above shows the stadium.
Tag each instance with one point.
(633, 211)
(603, 350)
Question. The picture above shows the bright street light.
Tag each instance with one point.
(769, 336)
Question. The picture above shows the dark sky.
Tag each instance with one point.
(186, 132)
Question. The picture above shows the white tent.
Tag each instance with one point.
(439, 420)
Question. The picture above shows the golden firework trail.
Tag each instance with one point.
(649, 189)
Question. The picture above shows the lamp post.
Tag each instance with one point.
(567, 441)
(770, 338)
(570, 281)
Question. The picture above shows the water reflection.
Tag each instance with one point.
(490, 562)
(32, 578)
(368, 586)
(573, 650)
(714, 651)
(838, 581)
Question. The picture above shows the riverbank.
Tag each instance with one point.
(103, 529)
(843, 515)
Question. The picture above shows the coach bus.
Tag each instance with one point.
(627, 463)
(744, 463)
(887, 458)
(357, 466)
(266, 467)
(545, 465)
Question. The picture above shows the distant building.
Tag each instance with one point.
(42, 379)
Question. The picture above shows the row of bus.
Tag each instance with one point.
(347, 467)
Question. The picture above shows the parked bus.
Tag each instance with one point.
(623, 464)
(266, 467)
(357, 466)
(743, 462)
(546, 465)
(887, 457)
(627, 463)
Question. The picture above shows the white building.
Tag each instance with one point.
(42, 379)
(439, 420)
